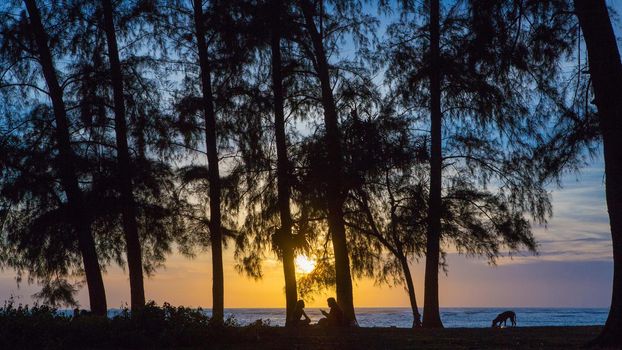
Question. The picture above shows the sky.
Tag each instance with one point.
(573, 268)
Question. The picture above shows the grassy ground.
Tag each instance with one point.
(399, 338)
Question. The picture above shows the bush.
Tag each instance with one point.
(166, 326)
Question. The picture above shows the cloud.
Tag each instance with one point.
(579, 229)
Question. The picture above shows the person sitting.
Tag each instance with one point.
(299, 312)
(335, 317)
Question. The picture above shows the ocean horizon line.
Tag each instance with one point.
(385, 307)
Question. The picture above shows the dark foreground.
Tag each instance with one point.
(258, 338)
(400, 338)
(169, 327)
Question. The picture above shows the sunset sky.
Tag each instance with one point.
(573, 269)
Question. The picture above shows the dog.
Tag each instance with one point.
(504, 317)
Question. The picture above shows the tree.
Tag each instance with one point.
(431, 315)
(124, 173)
(212, 156)
(66, 163)
(478, 90)
(209, 45)
(388, 166)
(39, 213)
(386, 200)
(335, 162)
(284, 236)
(606, 75)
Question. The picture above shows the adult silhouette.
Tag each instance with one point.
(299, 313)
(333, 318)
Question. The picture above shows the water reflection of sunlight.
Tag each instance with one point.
(304, 265)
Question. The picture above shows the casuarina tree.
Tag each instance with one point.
(605, 70)
(66, 159)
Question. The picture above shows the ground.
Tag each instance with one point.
(400, 338)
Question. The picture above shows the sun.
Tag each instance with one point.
(304, 265)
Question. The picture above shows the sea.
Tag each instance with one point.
(458, 317)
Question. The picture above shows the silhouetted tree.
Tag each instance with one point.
(89, 100)
(284, 234)
(386, 200)
(272, 91)
(211, 49)
(606, 79)
(479, 91)
(335, 194)
(212, 156)
(124, 176)
(431, 315)
(65, 160)
(387, 164)
(150, 142)
(303, 101)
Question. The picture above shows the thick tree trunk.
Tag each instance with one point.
(285, 233)
(335, 195)
(124, 172)
(431, 313)
(65, 162)
(606, 75)
(411, 293)
(213, 173)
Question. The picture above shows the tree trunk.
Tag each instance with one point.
(431, 313)
(285, 233)
(335, 194)
(213, 173)
(411, 292)
(66, 161)
(606, 74)
(124, 172)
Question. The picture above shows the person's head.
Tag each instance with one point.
(300, 304)
(331, 302)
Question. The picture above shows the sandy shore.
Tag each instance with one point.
(399, 338)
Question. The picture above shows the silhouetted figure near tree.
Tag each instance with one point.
(333, 318)
(299, 313)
